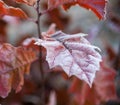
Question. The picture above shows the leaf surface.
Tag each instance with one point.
(8, 10)
(97, 6)
(103, 88)
(14, 63)
(73, 53)
(105, 81)
(28, 2)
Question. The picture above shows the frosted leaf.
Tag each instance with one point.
(73, 53)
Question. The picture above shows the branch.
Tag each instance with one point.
(40, 36)
(38, 18)
(42, 101)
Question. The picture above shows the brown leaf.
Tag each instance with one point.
(83, 94)
(103, 88)
(2, 8)
(28, 2)
(8, 10)
(5, 84)
(17, 12)
(97, 6)
(56, 16)
(104, 83)
(14, 63)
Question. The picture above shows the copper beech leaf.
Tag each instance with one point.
(97, 6)
(106, 82)
(8, 10)
(103, 88)
(2, 9)
(14, 63)
(28, 2)
(73, 53)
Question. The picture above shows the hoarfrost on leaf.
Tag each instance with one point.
(73, 53)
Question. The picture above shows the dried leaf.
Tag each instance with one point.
(28, 2)
(2, 9)
(73, 53)
(5, 85)
(14, 63)
(8, 10)
(103, 88)
(105, 81)
(97, 6)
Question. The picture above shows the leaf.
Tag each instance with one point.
(73, 53)
(16, 12)
(84, 95)
(97, 6)
(14, 63)
(8, 10)
(2, 9)
(5, 85)
(103, 88)
(56, 16)
(28, 2)
(105, 81)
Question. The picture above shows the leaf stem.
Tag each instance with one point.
(38, 18)
(39, 14)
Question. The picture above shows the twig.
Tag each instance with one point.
(40, 54)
